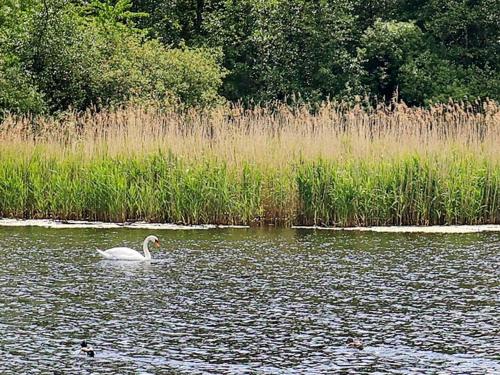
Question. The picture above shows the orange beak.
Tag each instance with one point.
(157, 243)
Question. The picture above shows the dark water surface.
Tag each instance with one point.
(250, 301)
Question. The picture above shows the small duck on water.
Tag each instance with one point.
(354, 343)
(85, 348)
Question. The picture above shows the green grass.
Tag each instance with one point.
(340, 165)
(410, 191)
(159, 187)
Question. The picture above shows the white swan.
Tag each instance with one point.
(125, 253)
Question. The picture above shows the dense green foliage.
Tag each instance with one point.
(59, 54)
(427, 50)
(412, 190)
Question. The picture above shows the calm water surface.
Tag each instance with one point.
(249, 302)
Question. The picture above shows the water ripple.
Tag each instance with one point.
(250, 301)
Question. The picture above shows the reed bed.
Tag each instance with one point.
(338, 165)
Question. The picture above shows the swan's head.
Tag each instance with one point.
(153, 239)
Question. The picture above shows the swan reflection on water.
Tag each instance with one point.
(129, 267)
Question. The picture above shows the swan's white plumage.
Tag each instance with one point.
(122, 253)
(125, 253)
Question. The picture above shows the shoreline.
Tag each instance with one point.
(414, 229)
(82, 224)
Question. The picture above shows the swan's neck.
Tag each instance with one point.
(147, 254)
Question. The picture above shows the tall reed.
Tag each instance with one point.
(337, 165)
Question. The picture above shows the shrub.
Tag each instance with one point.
(67, 55)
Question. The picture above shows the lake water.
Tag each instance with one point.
(249, 301)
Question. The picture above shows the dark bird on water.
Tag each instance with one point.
(355, 343)
(85, 348)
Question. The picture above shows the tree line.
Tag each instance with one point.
(61, 54)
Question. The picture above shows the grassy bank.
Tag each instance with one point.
(339, 166)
